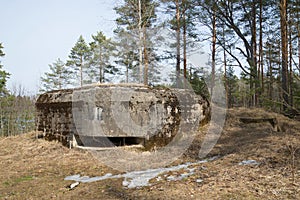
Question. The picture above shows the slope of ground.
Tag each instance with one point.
(35, 169)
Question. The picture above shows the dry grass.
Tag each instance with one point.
(34, 168)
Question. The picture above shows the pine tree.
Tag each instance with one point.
(182, 20)
(58, 78)
(127, 56)
(231, 81)
(3, 74)
(197, 76)
(102, 50)
(272, 60)
(190, 12)
(243, 18)
(136, 17)
(79, 62)
(175, 8)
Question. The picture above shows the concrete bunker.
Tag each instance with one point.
(105, 115)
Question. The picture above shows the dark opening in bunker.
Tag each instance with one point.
(126, 141)
(90, 141)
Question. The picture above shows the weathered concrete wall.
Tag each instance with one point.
(54, 115)
(119, 111)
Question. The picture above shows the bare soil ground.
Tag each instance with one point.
(35, 169)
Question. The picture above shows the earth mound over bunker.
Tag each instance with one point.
(107, 115)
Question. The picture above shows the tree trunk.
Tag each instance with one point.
(290, 75)
(177, 42)
(140, 43)
(213, 58)
(184, 47)
(261, 56)
(225, 70)
(60, 79)
(81, 73)
(146, 60)
(127, 71)
(100, 66)
(255, 80)
(270, 74)
(284, 52)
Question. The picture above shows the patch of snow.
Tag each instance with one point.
(87, 179)
(159, 178)
(249, 162)
(73, 185)
(171, 178)
(141, 178)
(199, 180)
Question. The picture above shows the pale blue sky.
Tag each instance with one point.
(35, 33)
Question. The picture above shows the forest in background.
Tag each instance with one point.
(152, 45)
